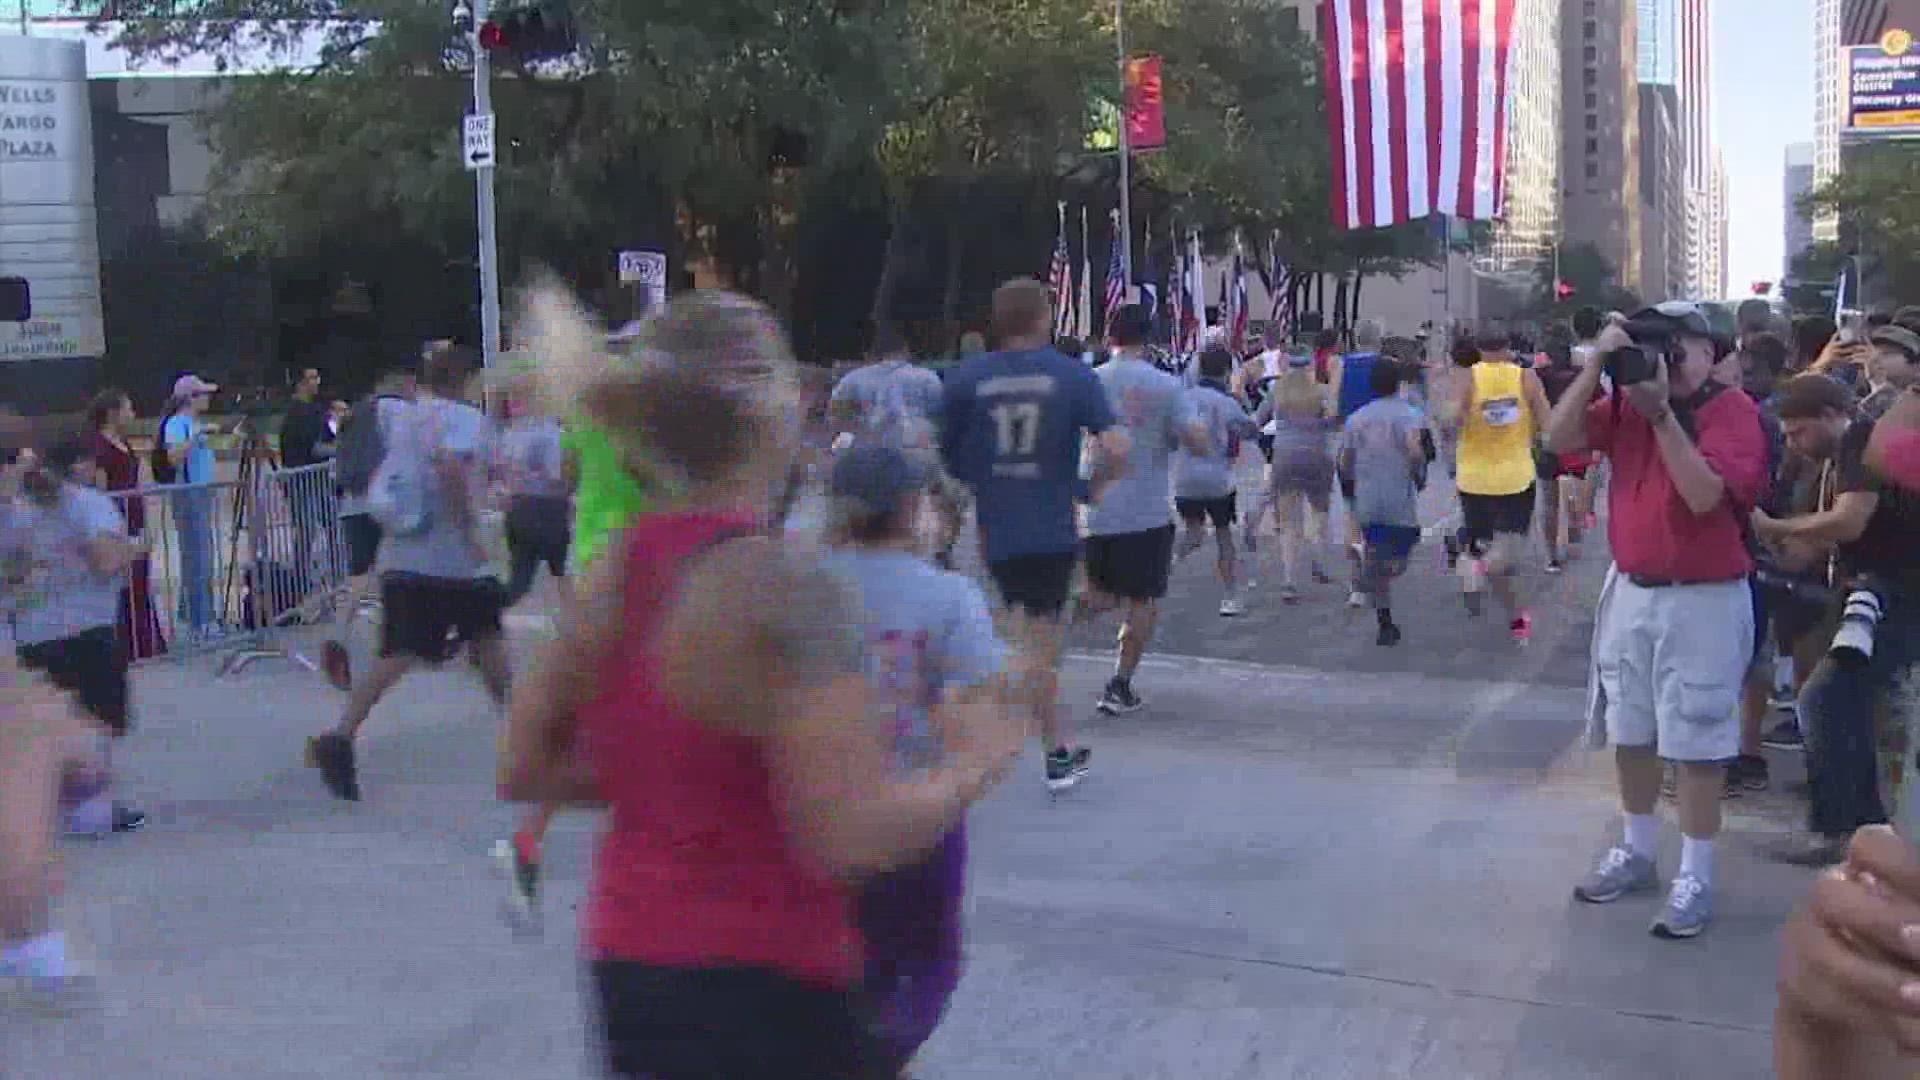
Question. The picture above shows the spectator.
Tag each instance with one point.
(1674, 625)
(1811, 335)
(184, 440)
(1892, 368)
(305, 436)
(117, 469)
(1869, 528)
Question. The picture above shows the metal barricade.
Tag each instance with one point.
(232, 564)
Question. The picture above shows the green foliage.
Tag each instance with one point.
(1876, 196)
(1594, 281)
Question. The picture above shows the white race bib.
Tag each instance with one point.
(1500, 412)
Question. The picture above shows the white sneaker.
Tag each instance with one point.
(1232, 606)
(1356, 599)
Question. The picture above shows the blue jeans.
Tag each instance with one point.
(193, 521)
(1837, 712)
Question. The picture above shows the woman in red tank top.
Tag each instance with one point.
(712, 694)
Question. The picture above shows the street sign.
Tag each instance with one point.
(643, 268)
(476, 140)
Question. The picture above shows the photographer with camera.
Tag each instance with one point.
(1674, 626)
(1874, 575)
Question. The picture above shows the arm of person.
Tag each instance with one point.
(1697, 468)
(1894, 450)
(539, 763)
(1580, 422)
(1539, 409)
(1842, 523)
(1461, 399)
(176, 439)
(791, 675)
(1108, 444)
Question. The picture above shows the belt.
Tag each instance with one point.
(1648, 581)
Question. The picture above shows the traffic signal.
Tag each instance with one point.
(536, 31)
(1563, 291)
(1762, 288)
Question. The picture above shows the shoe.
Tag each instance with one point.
(1749, 772)
(121, 818)
(1356, 599)
(1231, 607)
(1811, 850)
(1689, 909)
(1784, 735)
(1320, 576)
(338, 668)
(1556, 566)
(332, 754)
(1118, 698)
(128, 819)
(1521, 628)
(1066, 768)
(1620, 872)
(1289, 595)
(1389, 635)
(520, 858)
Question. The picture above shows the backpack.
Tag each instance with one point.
(361, 446)
(397, 491)
(164, 470)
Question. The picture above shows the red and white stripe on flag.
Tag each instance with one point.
(1417, 106)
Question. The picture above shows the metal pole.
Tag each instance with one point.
(1126, 153)
(483, 184)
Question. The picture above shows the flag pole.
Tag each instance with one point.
(1126, 166)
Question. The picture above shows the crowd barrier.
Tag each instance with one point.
(233, 564)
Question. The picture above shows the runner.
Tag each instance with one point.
(893, 402)
(1203, 484)
(1130, 531)
(931, 656)
(1381, 458)
(435, 590)
(361, 444)
(1012, 427)
(539, 498)
(1300, 481)
(1352, 382)
(1500, 409)
(730, 737)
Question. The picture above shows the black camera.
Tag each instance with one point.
(1860, 618)
(1654, 343)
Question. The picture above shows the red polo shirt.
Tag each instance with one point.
(1649, 526)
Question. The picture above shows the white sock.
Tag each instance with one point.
(1696, 858)
(43, 957)
(1643, 834)
(93, 817)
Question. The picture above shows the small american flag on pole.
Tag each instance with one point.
(1116, 276)
(1280, 284)
(1060, 279)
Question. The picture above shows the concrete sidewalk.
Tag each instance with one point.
(1271, 873)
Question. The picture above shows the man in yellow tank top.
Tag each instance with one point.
(1500, 411)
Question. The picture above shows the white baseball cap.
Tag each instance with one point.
(187, 386)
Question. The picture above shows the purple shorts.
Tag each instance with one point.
(910, 919)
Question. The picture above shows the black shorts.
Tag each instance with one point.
(1265, 443)
(539, 530)
(363, 543)
(1485, 516)
(686, 1023)
(1131, 566)
(1222, 511)
(429, 618)
(92, 666)
(1036, 584)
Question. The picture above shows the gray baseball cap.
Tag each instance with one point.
(873, 479)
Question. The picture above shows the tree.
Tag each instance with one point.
(1594, 280)
(1876, 197)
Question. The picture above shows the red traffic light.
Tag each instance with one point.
(1562, 290)
(493, 37)
(1762, 288)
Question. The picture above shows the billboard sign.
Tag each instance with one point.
(47, 231)
(1882, 91)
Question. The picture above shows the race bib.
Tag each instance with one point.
(1500, 412)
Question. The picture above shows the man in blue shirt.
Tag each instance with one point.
(1012, 425)
(183, 437)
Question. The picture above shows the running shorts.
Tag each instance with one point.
(1221, 511)
(1035, 584)
(665, 1023)
(429, 618)
(92, 666)
(540, 530)
(1486, 516)
(1131, 566)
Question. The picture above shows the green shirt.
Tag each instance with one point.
(607, 498)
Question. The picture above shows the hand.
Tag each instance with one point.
(989, 736)
(1611, 338)
(1851, 955)
(1766, 526)
(1652, 399)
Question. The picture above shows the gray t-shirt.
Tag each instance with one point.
(1153, 409)
(899, 403)
(1210, 475)
(928, 632)
(532, 460)
(434, 427)
(1378, 435)
(60, 595)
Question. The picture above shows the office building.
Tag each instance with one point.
(1696, 135)
(1531, 220)
(1716, 284)
(1663, 194)
(1838, 24)
(1796, 182)
(1659, 42)
(1600, 179)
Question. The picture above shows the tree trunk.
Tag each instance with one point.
(1340, 306)
(1353, 297)
(883, 289)
(950, 291)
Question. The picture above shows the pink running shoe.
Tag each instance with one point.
(1522, 628)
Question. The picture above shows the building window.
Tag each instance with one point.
(1592, 76)
(1590, 8)
(1592, 55)
(1593, 122)
(1590, 31)
(1593, 147)
(1593, 100)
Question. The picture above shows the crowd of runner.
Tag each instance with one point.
(779, 882)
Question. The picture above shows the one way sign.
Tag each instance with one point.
(476, 141)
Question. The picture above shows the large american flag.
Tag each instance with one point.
(1417, 107)
(1116, 277)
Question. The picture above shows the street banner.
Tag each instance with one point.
(1417, 107)
(1146, 105)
